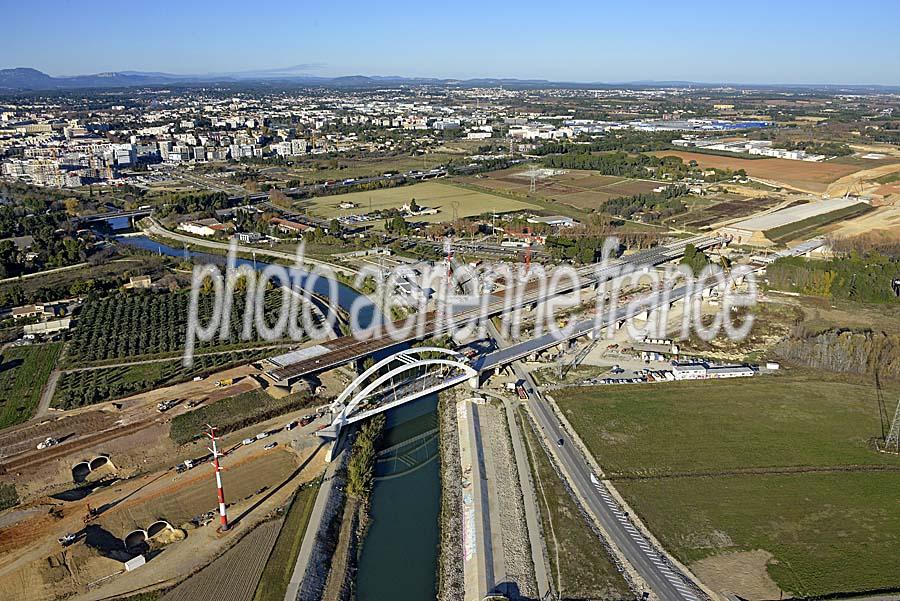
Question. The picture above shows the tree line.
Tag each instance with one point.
(864, 278)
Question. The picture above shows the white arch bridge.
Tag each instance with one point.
(397, 379)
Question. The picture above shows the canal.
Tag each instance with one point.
(399, 556)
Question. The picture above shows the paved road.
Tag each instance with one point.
(664, 579)
(159, 230)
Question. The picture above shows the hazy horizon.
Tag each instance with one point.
(799, 43)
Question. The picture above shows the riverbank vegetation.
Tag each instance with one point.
(360, 479)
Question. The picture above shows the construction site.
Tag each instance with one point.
(114, 506)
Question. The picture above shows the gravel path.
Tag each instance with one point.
(450, 576)
(516, 547)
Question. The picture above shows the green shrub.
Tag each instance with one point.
(235, 413)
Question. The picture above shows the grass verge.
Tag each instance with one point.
(280, 566)
(580, 566)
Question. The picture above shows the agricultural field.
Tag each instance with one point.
(79, 388)
(429, 194)
(802, 175)
(722, 208)
(584, 190)
(234, 575)
(23, 372)
(148, 325)
(280, 566)
(581, 568)
(779, 467)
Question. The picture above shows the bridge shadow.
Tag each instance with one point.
(511, 591)
(284, 483)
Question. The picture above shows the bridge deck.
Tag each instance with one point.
(348, 348)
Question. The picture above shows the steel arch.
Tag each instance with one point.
(362, 394)
(338, 403)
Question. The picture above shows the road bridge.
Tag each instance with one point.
(112, 215)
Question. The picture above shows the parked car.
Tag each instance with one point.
(248, 441)
(262, 435)
(271, 445)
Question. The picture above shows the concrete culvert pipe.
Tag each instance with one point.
(158, 527)
(135, 539)
(98, 462)
(80, 471)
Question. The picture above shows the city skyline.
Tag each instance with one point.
(803, 43)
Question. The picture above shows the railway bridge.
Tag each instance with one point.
(293, 366)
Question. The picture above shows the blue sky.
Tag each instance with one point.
(787, 41)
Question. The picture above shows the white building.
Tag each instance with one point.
(703, 371)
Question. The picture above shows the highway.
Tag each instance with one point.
(663, 579)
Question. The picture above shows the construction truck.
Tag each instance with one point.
(91, 515)
(67, 540)
(225, 382)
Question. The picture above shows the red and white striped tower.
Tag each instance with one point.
(448, 251)
(223, 517)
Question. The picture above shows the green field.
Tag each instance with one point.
(23, 372)
(808, 419)
(580, 566)
(779, 463)
(280, 566)
(829, 532)
(427, 194)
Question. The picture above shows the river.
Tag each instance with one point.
(345, 294)
(400, 553)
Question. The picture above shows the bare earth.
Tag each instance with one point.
(742, 573)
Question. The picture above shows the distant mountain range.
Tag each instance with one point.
(22, 79)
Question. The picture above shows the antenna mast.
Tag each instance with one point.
(223, 517)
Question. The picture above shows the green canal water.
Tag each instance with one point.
(399, 556)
